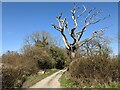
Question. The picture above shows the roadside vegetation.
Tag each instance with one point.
(39, 55)
(33, 79)
(96, 73)
(93, 67)
(89, 62)
(86, 70)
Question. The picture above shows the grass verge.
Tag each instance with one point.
(33, 79)
(67, 82)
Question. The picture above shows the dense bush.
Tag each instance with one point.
(13, 77)
(15, 69)
(40, 55)
(44, 59)
(94, 71)
(60, 56)
(16, 66)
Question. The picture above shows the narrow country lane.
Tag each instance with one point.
(51, 81)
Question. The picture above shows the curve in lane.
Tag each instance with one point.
(51, 81)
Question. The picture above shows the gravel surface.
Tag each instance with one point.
(51, 81)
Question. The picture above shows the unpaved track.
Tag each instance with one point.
(51, 81)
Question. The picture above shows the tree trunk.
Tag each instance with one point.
(71, 54)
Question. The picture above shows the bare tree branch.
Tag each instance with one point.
(89, 22)
(82, 12)
(86, 18)
(95, 34)
(73, 16)
(86, 40)
(75, 24)
(95, 14)
(100, 20)
(82, 31)
(76, 36)
(56, 27)
(62, 25)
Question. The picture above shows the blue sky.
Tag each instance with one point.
(21, 19)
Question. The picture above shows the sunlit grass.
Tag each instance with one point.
(33, 79)
(67, 82)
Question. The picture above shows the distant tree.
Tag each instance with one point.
(42, 39)
(97, 46)
(76, 36)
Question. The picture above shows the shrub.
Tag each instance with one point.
(15, 69)
(43, 58)
(60, 57)
(40, 55)
(45, 61)
(16, 66)
(93, 71)
(13, 77)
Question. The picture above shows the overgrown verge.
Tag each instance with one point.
(17, 67)
(97, 72)
(33, 79)
(67, 82)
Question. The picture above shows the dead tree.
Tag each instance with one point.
(76, 36)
